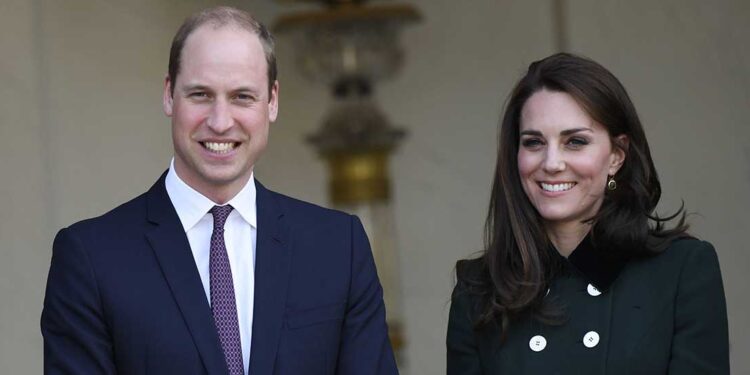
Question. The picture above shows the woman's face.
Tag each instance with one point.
(564, 158)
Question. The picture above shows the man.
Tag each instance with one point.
(209, 272)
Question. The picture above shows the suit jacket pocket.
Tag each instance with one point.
(316, 315)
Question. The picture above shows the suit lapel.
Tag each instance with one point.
(172, 250)
(273, 260)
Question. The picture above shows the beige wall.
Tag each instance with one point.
(24, 196)
(81, 130)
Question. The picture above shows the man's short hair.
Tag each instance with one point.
(218, 17)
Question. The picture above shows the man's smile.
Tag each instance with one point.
(220, 147)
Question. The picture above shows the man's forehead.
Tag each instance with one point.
(225, 61)
(223, 44)
(209, 29)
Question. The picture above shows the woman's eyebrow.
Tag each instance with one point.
(531, 132)
(575, 130)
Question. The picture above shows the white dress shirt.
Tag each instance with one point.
(240, 232)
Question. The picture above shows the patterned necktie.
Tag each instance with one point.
(223, 305)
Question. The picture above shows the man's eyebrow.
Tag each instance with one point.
(194, 87)
(201, 87)
(249, 89)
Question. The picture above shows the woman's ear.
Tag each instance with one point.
(620, 146)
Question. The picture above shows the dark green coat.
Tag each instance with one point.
(665, 314)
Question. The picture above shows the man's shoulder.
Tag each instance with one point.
(301, 210)
(130, 214)
(120, 218)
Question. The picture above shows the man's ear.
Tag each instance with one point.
(167, 101)
(273, 102)
(620, 145)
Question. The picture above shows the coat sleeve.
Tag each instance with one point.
(462, 356)
(76, 339)
(365, 348)
(700, 344)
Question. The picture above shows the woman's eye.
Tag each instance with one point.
(577, 142)
(531, 142)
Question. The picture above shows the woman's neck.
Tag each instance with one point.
(566, 237)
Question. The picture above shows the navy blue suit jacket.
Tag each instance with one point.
(124, 295)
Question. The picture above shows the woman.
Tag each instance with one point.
(579, 276)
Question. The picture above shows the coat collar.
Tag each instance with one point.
(595, 264)
(273, 260)
(172, 250)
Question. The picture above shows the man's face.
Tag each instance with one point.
(220, 109)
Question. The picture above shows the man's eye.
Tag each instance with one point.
(244, 97)
(198, 94)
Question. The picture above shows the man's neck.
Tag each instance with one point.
(217, 193)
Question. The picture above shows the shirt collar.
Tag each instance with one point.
(191, 205)
(596, 265)
(244, 202)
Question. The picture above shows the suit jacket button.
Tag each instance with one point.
(591, 339)
(538, 343)
(593, 291)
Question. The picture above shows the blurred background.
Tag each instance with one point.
(82, 130)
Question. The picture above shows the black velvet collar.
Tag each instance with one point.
(598, 267)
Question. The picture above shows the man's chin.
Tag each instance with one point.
(219, 178)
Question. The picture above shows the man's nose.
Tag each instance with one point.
(220, 119)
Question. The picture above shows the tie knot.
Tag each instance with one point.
(220, 215)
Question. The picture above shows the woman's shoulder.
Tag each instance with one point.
(689, 249)
(470, 279)
(681, 258)
(469, 269)
(690, 244)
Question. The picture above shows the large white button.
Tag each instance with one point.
(593, 291)
(591, 339)
(538, 343)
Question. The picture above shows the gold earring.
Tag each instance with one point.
(611, 183)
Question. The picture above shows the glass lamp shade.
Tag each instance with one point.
(355, 124)
(347, 41)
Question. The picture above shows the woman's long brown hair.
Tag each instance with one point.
(513, 273)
